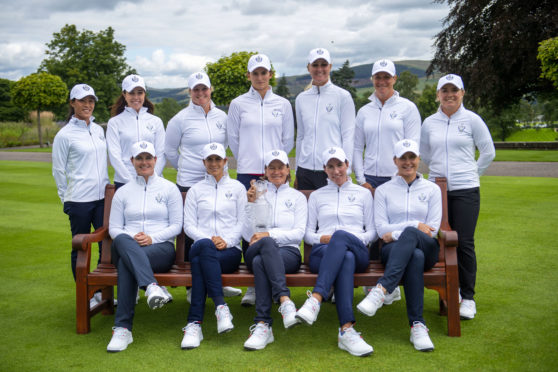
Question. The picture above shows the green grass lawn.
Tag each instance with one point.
(515, 328)
(533, 135)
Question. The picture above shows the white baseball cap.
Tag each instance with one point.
(452, 79)
(132, 81)
(214, 148)
(141, 147)
(319, 53)
(404, 146)
(198, 78)
(333, 153)
(384, 65)
(80, 91)
(276, 155)
(259, 60)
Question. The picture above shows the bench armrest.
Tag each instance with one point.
(82, 242)
(448, 237)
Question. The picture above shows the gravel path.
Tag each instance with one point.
(497, 168)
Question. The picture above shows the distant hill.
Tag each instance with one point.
(179, 94)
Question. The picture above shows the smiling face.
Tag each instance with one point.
(83, 108)
(144, 164)
(407, 165)
(260, 79)
(201, 95)
(215, 165)
(383, 85)
(319, 71)
(135, 98)
(451, 98)
(277, 172)
(336, 171)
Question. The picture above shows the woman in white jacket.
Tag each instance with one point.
(213, 216)
(145, 217)
(340, 225)
(449, 139)
(133, 121)
(79, 167)
(274, 250)
(407, 211)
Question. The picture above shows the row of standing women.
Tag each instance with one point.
(259, 122)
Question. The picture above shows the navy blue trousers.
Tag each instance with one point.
(376, 181)
(307, 179)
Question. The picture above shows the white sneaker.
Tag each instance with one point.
(120, 340)
(231, 291)
(467, 309)
(261, 334)
(166, 291)
(249, 298)
(352, 341)
(192, 336)
(189, 295)
(393, 296)
(288, 311)
(308, 313)
(372, 302)
(224, 319)
(95, 300)
(156, 297)
(420, 338)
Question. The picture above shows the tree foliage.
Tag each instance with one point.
(426, 102)
(492, 44)
(282, 88)
(548, 55)
(8, 110)
(228, 77)
(407, 84)
(166, 109)
(39, 91)
(88, 57)
(343, 77)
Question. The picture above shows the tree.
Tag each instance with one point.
(39, 91)
(362, 99)
(407, 84)
(493, 46)
(9, 111)
(88, 57)
(228, 77)
(426, 102)
(343, 77)
(282, 88)
(166, 109)
(548, 55)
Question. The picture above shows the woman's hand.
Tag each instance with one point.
(324, 239)
(387, 238)
(143, 239)
(251, 193)
(257, 236)
(219, 242)
(368, 186)
(425, 229)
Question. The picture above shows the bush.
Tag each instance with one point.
(25, 134)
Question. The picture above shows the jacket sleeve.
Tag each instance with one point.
(191, 216)
(294, 234)
(299, 131)
(175, 213)
(234, 232)
(288, 128)
(425, 154)
(348, 126)
(358, 162)
(310, 236)
(381, 217)
(483, 141)
(159, 146)
(116, 219)
(233, 128)
(247, 226)
(434, 216)
(369, 234)
(115, 151)
(60, 149)
(412, 124)
(172, 141)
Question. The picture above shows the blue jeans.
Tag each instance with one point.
(376, 181)
(207, 263)
(136, 265)
(270, 263)
(336, 264)
(408, 258)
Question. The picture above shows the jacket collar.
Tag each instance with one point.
(199, 109)
(332, 184)
(254, 94)
(81, 123)
(400, 180)
(320, 89)
(271, 187)
(456, 114)
(141, 181)
(131, 111)
(212, 181)
(374, 99)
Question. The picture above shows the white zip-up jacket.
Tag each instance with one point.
(288, 217)
(187, 133)
(154, 208)
(325, 117)
(448, 144)
(398, 205)
(256, 126)
(79, 161)
(215, 209)
(348, 208)
(379, 127)
(130, 127)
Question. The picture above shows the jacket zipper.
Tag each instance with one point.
(315, 129)
(378, 136)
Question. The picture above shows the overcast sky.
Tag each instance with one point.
(167, 40)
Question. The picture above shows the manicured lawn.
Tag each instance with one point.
(527, 155)
(530, 135)
(515, 328)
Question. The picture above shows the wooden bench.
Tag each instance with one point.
(443, 277)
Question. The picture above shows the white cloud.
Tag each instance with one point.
(18, 59)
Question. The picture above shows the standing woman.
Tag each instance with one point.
(340, 225)
(325, 116)
(79, 167)
(213, 217)
(275, 252)
(448, 142)
(145, 217)
(407, 211)
(133, 121)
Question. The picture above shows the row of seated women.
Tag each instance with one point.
(339, 220)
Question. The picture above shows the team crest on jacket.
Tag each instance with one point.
(159, 198)
(228, 195)
(101, 137)
(461, 128)
(149, 127)
(276, 113)
(329, 107)
(422, 197)
(288, 203)
(393, 115)
(351, 197)
(219, 125)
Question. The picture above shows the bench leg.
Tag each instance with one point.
(108, 294)
(454, 323)
(82, 308)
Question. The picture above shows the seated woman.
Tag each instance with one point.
(145, 217)
(275, 250)
(408, 211)
(340, 225)
(213, 216)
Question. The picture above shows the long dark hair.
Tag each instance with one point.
(71, 111)
(120, 104)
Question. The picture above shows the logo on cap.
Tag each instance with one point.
(135, 79)
(85, 87)
(331, 150)
(213, 146)
(199, 76)
(275, 153)
(449, 77)
(383, 63)
(406, 144)
(259, 59)
(319, 52)
(143, 145)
